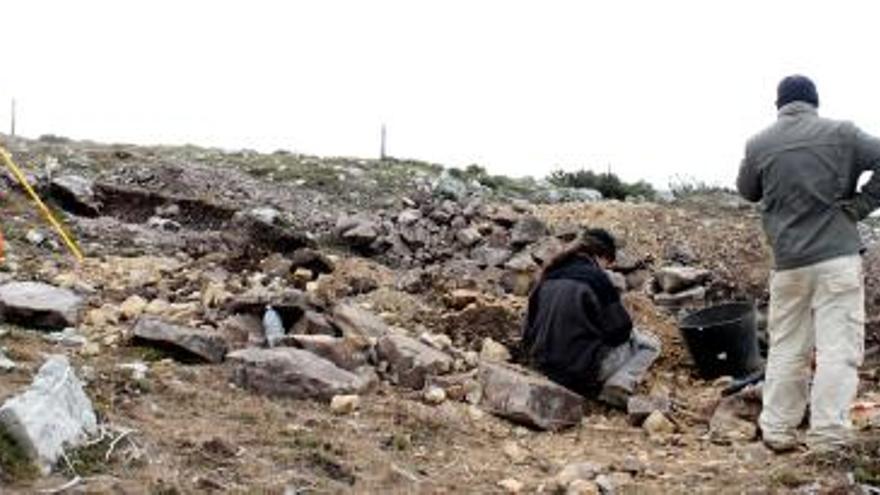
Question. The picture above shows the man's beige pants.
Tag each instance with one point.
(820, 306)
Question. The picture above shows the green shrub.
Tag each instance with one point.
(607, 183)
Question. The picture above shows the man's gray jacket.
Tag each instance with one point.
(804, 169)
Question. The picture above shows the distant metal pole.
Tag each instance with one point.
(12, 123)
(382, 149)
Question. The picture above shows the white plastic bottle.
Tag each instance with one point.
(272, 326)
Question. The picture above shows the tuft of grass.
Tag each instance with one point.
(15, 465)
(87, 460)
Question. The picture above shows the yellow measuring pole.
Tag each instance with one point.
(71, 244)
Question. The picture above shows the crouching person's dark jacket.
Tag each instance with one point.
(574, 316)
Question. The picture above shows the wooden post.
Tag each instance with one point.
(382, 149)
(12, 123)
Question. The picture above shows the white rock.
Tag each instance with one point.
(138, 369)
(35, 237)
(435, 395)
(345, 404)
(582, 487)
(6, 364)
(514, 452)
(658, 424)
(493, 351)
(52, 414)
(511, 485)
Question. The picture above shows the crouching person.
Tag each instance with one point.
(577, 330)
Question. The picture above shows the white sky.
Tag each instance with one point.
(652, 89)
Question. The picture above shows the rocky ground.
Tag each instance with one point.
(400, 292)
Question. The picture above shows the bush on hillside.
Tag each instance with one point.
(609, 184)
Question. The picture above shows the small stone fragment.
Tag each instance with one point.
(345, 404)
(658, 425)
(493, 351)
(511, 486)
(435, 396)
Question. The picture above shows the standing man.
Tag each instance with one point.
(805, 170)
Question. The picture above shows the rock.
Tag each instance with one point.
(736, 416)
(6, 364)
(511, 486)
(415, 236)
(530, 399)
(486, 256)
(522, 262)
(528, 230)
(355, 322)
(51, 415)
(409, 217)
(577, 471)
(434, 395)
(458, 387)
(582, 487)
(68, 337)
(76, 194)
(165, 224)
(514, 452)
(635, 281)
(302, 276)
(137, 369)
(438, 341)
(493, 351)
(674, 279)
(362, 235)
(313, 260)
(546, 249)
(658, 425)
(639, 407)
(344, 353)
(345, 404)
(35, 237)
(276, 265)
(609, 484)
(690, 297)
(201, 344)
(415, 281)
(504, 216)
(39, 305)
(264, 215)
(411, 361)
(313, 323)
(294, 373)
(133, 307)
(157, 307)
(468, 237)
(459, 299)
(680, 253)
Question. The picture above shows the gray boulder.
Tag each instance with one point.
(76, 194)
(528, 230)
(527, 398)
(202, 344)
(411, 362)
(35, 304)
(468, 236)
(639, 407)
(486, 256)
(53, 414)
(294, 373)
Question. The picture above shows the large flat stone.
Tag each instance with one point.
(411, 362)
(345, 353)
(290, 372)
(35, 304)
(76, 194)
(527, 398)
(358, 323)
(51, 415)
(202, 344)
(674, 279)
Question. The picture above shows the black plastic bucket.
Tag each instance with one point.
(722, 340)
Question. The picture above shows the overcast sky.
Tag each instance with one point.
(651, 89)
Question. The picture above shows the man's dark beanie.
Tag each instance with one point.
(796, 88)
